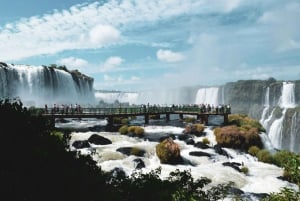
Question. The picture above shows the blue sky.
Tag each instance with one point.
(134, 45)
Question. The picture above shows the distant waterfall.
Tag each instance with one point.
(39, 85)
(293, 133)
(208, 96)
(266, 106)
(287, 100)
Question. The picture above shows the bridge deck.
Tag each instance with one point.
(201, 113)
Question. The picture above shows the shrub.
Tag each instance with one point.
(245, 170)
(264, 156)
(123, 130)
(124, 121)
(237, 137)
(168, 151)
(253, 150)
(281, 157)
(205, 141)
(244, 121)
(189, 119)
(137, 130)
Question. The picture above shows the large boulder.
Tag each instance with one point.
(131, 151)
(169, 152)
(80, 144)
(98, 140)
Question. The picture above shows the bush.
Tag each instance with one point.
(264, 156)
(205, 141)
(237, 137)
(244, 121)
(253, 150)
(136, 130)
(168, 151)
(245, 170)
(123, 130)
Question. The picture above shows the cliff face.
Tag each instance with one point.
(274, 103)
(39, 85)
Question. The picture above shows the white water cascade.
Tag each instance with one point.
(293, 132)
(262, 177)
(266, 107)
(287, 100)
(39, 85)
(208, 96)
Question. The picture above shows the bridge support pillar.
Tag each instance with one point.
(146, 119)
(203, 119)
(225, 119)
(180, 116)
(52, 122)
(168, 117)
(110, 121)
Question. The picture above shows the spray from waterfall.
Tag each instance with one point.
(208, 96)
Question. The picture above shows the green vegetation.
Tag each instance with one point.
(205, 140)
(245, 170)
(168, 152)
(285, 194)
(245, 122)
(196, 129)
(253, 150)
(123, 130)
(241, 134)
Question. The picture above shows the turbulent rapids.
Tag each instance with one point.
(262, 178)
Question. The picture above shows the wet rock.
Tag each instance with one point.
(201, 145)
(199, 153)
(98, 140)
(80, 144)
(131, 151)
(139, 163)
(234, 165)
(218, 149)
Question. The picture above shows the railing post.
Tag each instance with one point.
(167, 117)
(146, 119)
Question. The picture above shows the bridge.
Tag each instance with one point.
(202, 113)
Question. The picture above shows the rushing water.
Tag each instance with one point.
(262, 177)
(39, 85)
(208, 96)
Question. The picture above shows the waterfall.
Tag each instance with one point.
(39, 85)
(208, 96)
(266, 106)
(287, 100)
(293, 133)
(275, 132)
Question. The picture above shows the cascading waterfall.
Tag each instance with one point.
(208, 96)
(293, 132)
(266, 106)
(39, 85)
(287, 100)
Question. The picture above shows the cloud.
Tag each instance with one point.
(73, 63)
(283, 26)
(94, 25)
(169, 56)
(104, 34)
(111, 63)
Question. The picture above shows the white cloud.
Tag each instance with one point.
(104, 34)
(111, 63)
(73, 63)
(88, 26)
(169, 56)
